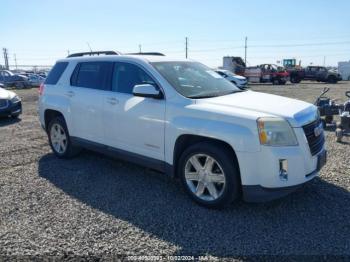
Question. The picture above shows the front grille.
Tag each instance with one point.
(315, 142)
(3, 103)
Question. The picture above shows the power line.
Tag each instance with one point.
(306, 44)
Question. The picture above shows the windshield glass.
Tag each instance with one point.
(195, 80)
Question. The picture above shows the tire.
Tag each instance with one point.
(227, 187)
(275, 82)
(281, 82)
(19, 85)
(332, 80)
(324, 124)
(295, 79)
(66, 149)
(15, 116)
(329, 119)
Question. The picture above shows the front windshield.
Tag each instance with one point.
(195, 80)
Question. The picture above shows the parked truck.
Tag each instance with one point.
(267, 73)
(315, 73)
(235, 64)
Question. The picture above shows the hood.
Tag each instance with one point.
(296, 112)
(239, 77)
(5, 94)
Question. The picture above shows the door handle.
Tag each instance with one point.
(70, 93)
(112, 100)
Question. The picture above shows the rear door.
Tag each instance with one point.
(89, 82)
(134, 124)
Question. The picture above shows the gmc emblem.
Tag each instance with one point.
(318, 130)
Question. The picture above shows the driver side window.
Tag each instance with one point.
(126, 76)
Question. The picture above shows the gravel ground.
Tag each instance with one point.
(94, 205)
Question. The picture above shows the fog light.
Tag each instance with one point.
(283, 174)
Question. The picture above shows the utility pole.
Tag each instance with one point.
(15, 60)
(140, 48)
(245, 51)
(324, 61)
(186, 46)
(6, 58)
(68, 52)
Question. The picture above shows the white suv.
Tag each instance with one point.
(180, 117)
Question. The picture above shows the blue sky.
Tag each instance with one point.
(41, 31)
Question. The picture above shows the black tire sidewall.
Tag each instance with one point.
(232, 185)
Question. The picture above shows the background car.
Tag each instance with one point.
(239, 81)
(35, 80)
(8, 78)
(10, 104)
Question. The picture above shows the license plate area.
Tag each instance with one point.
(321, 160)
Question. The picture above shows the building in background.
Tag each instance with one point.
(344, 70)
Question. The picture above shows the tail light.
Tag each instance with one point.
(41, 89)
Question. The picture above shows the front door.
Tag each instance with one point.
(134, 124)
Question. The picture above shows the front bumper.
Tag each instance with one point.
(259, 194)
(260, 171)
(13, 109)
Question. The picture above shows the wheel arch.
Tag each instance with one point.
(50, 114)
(186, 140)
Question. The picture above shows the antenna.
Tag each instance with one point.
(89, 46)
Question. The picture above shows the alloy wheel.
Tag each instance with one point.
(205, 177)
(58, 138)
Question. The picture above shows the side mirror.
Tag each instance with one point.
(147, 90)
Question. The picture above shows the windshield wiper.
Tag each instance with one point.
(215, 94)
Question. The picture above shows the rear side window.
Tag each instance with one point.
(95, 75)
(56, 73)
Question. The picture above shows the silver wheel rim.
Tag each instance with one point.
(58, 138)
(205, 177)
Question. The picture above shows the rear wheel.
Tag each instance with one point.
(209, 175)
(295, 79)
(59, 139)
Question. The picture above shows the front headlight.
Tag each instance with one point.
(275, 131)
(15, 99)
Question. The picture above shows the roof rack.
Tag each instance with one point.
(146, 53)
(94, 53)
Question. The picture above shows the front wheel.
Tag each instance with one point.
(332, 80)
(19, 85)
(59, 139)
(209, 175)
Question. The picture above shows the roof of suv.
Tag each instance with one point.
(144, 58)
